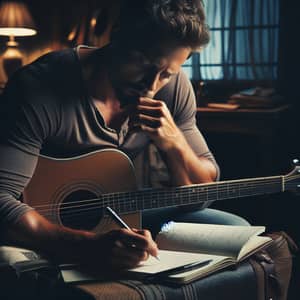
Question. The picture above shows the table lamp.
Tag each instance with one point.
(15, 20)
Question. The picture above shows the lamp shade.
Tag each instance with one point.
(15, 19)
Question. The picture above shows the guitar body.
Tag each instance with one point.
(59, 187)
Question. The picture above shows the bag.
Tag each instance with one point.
(273, 267)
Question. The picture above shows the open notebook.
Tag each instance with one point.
(220, 245)
(191, 251)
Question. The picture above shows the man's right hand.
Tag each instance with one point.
(116, 249)
(122, 248)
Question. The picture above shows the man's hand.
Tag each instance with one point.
(154, 118)
(116, 249)
(121, 249)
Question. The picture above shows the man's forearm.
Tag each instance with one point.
(35, 232)
(187, 168)
(98, 251)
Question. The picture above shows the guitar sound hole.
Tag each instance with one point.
(79, 211)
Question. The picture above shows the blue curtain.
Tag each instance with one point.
(244, 41)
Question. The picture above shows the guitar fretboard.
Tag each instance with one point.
(155, 198)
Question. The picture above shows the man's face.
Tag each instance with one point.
(169, 66)
(138, 76)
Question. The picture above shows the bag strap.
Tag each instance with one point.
(273, 266)
(267, 284)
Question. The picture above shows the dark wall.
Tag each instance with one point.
(289, 66)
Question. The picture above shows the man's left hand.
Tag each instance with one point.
(154, 118)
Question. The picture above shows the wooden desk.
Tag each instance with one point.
(255, 139)
(242, 121)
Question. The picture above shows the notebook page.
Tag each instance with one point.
(169, 260)
(223, 240)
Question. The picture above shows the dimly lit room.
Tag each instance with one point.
(149, 149)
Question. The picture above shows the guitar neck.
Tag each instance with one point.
(125, 202)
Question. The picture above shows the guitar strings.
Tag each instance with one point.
(181, 190)
(90, 212)
(129, 195)
(108, 202)
(119, 197)
(175, 190)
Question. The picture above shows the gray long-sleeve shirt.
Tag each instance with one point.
(45, 109)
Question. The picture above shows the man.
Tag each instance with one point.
(120, 96)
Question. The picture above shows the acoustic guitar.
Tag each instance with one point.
(75, 191)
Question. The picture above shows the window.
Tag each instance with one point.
(244, 41)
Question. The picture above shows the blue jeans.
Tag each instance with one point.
(153, 219)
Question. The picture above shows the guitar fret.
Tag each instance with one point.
(139, 203)
(164, 200)
(245, 189)
(173, 200)
(131, 206)
(155, 200)
(176, 197)
(121, 206)
(136, 200)
(146, 201)
(211, 194)
(222, 190)
(110, 201)
(117, 204)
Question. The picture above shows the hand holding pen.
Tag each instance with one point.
(140, 240)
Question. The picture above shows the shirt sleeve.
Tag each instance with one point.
(24, 126)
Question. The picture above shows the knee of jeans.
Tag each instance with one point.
(226, 218)
(213, 216)
(237, 221)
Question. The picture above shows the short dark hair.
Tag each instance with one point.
(173, 22)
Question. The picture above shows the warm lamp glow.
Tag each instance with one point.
(17, 31)
(15, 20)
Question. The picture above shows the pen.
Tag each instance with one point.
(188, 267)
(117, 218)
